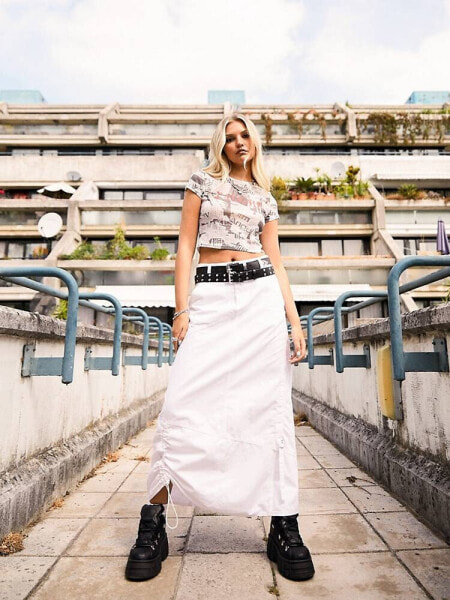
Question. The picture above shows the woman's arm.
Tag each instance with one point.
(269, 242)
(183, 260)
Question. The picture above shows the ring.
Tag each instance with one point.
(298, 353)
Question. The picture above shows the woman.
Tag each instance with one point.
(225, 436)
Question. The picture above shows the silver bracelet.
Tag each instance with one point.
(180, 312)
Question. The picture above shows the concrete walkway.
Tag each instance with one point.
(365, 544)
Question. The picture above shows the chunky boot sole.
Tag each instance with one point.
(297, 570)
(140, 570)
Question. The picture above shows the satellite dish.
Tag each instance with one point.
(337, 170)
(73, 176)
(50, 224)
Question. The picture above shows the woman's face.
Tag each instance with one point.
(239, 146)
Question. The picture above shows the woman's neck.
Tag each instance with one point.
(243, 175)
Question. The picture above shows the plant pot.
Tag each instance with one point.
(311, 195)
(294, 195)
(302, 196)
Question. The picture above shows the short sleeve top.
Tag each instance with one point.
(232, 212)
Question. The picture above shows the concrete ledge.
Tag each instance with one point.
(422, 484)
(30, 489)
(433, 318)
(24, 324)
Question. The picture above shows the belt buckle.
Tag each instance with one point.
(230, 273)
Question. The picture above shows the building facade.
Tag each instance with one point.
(129, 166)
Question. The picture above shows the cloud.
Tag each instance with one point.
(348, 59)
(174, 51)
(148, 50)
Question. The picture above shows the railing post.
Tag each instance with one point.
(425, 360)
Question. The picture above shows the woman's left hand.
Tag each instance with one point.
(299, 345)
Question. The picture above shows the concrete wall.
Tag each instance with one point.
(40, 412)
(426, 396)
(135, 169)
(410, 457)
(54, 434)
(178, 168)
(291, 166)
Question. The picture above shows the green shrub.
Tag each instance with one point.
(279, 189)
(408, 190)
(60, 310)
(85, 251)
(115, 249)
(304, 185)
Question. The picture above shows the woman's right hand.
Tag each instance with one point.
(179, 329)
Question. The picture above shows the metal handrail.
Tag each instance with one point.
(64, 365)
(401, 361)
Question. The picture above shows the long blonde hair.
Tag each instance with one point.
(218, 163)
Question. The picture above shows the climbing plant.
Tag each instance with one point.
(404, 127)
(267, 120)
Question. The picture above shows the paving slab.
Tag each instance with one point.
(99, 578)
(314, 478)
(308, 462)
(106, 482)
(432, 569)
(325, 534)
(373, 499)
(226, 534)
(334, 461)
(320, 447)
(226, 577)
(143, 466)
(402, 531)
(115, 537)
(340, 476)
(368, 576)
(136, 482)
(20, 574)
(51, 537)
(305, 431)
(301, 450)
(123, 465)
(79, 505)
(324, 501)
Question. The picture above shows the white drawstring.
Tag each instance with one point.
(169, 499)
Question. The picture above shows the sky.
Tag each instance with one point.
(174, 51)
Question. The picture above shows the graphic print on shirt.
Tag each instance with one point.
(232, 213)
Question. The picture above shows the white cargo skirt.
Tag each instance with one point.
(225, 435)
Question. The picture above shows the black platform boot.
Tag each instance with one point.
(285, 547)
(151, 546)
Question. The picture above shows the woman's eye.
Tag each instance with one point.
(228, 140)
(246, 135)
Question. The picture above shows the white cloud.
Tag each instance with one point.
(148, 50)
(174, 51)
(356, 67)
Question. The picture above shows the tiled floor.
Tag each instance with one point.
(365, 544)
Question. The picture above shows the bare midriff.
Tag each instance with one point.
(212, 255)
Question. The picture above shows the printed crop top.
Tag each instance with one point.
(232, 212)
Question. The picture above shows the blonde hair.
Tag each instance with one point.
(219, 166)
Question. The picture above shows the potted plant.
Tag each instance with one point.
(279, 190)
(305, 187)
(323, 183)
(408, 191)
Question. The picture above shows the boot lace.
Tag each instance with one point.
(292, 534)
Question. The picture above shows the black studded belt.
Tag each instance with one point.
(234, 271)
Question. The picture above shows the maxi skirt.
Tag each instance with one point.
(225, 434)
